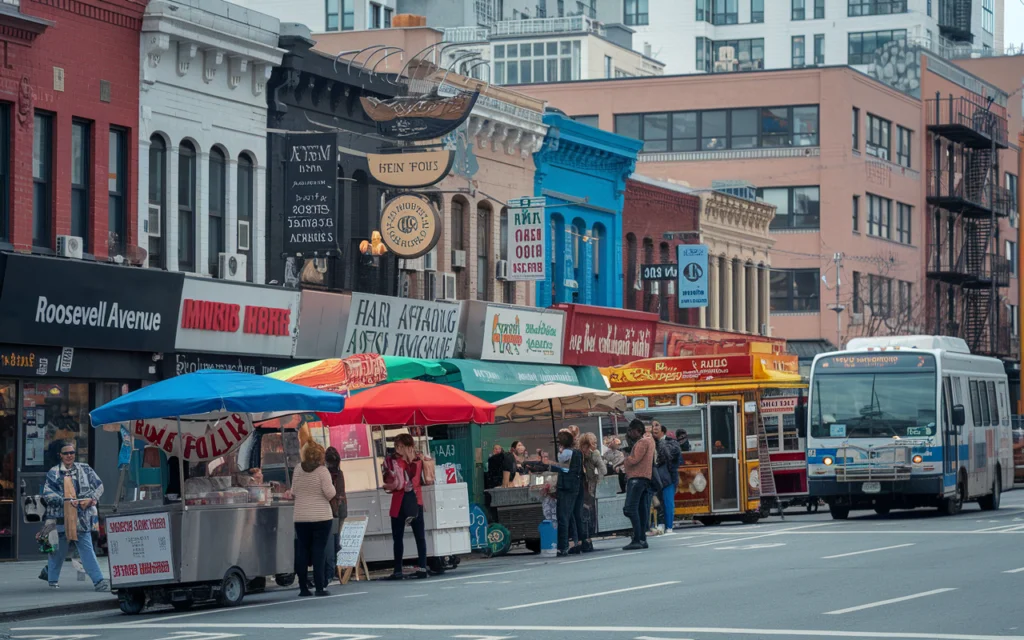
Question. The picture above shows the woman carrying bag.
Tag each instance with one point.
(405, 472)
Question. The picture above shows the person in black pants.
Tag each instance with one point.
(312, 489)
(407, 503)
(570, 495)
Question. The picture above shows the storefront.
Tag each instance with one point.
(75, 335)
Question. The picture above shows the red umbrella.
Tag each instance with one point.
(412, 402)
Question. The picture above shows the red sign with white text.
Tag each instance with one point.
(605, 337)
(676, 340)
(659, 372)
(200, 440)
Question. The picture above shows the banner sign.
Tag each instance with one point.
(311, 174)
(410, 169)
(401, 327)
(521, 335)
(526, 239)
(201, 439)
(692, 288)
(770, 406)
(677, 340)
(670, 371)
(604, 337)
(139, 549)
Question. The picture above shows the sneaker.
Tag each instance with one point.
(633, 546)
(305, 593)
(320, 593)
(588, 547)
(54, 585)
(669, 532)
(661, 529)
(102, 586)
(420, 574)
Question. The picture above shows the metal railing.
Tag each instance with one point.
(459, 35)
(539, 26)
(955, 186)
(887, 462)
(971, 113)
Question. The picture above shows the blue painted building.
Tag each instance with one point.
(582, 172)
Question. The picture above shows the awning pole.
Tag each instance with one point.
(181, 465)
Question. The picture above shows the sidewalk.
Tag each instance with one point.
(23, 594)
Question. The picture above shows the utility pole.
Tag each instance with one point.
(838, 307)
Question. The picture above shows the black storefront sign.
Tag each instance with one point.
(19, 361)
(71, 303)
(311, 211)
(181, 363)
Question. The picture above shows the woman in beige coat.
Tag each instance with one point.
(313, 490)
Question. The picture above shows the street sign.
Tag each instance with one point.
(692, 289)
(526, 239)
(660, 271)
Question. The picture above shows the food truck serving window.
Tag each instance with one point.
(691, 421)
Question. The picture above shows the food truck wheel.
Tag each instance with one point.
(532, 545)
(232, 589)
(132, 602)
(882, 509)
(284, 579)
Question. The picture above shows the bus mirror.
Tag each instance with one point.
(958, 416)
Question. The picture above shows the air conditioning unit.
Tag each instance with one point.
(244, 235)
(152, 221)
(69, 247)
(430, 260)
(430, 286)
(231, 266)
(448, 285)
(501, 270)
(411, 264)
(670, 288)
(655, 288)
(856, 319)
(458, 259)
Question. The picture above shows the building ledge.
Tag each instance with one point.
(15, 24)
(209, 37)
(731, 154)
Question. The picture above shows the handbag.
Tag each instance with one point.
(394, 476)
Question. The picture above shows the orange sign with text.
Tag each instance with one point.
(667, 371)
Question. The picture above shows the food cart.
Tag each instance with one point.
(213, 529)
(717, 401)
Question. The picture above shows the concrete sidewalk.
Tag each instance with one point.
(24, 595)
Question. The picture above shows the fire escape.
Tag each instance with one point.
(965, 269)
(955, 20)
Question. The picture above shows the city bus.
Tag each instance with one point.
(906, 422)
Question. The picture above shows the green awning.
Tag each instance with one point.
(492, 381)
(591, 377)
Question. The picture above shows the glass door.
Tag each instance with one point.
(8, 468)
(950, 445)
(725, 475)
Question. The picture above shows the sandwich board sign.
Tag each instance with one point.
(350, 557)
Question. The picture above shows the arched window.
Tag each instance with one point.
(246, 201)
(218, 203)
(187, 207)
(156, 221)
(631, 258)
(484, 275)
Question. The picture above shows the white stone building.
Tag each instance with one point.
(203, 136)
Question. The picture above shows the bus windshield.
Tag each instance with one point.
(874, 405)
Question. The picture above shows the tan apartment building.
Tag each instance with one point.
(837, 152)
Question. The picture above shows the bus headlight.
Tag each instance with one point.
(917, 459)
(827, 460)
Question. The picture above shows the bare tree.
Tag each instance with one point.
(881, 304)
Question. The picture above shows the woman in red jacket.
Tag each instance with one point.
(406, 502)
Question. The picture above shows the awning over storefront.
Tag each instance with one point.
(591, 377)
(493, 381)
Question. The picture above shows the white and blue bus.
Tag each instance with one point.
(905, 422)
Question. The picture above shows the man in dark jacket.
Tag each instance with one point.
(669, 457)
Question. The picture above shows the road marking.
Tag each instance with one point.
(857, 553)
(882, 603)
(763, 535)
(615, 555)
(999, 528)
(1015, 570)
(486, 637)
(75, 637)
(653, 638)
(481, 582)
(200, 635)
(747, 547)
(478, 575)
(254, 606)
(589, 595)
(725, 631)
(1015, 529)
(321, 635)
(418, 595)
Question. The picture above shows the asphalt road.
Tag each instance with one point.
(908, 575)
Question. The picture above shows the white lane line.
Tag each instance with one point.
(763, 535)
(609, 557)
(480, 582)
(882, 603)
(1021, 570)
(857, 553)
(478, 575)
(256, 606)
(418, 595)
(999, 528)
(604, 630)
(589, 595)
(1016, 529)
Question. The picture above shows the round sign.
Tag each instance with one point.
(410, 226)
(499, 540)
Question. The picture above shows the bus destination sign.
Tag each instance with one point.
(876, 361)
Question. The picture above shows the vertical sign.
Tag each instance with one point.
(310, 216)
(526, 231)
(693, 275)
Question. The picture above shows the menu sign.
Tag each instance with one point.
(668, 371)
(879, 361)
(311, 221)
(401, 327)
(351, 540)
(139, 549)
(521, 335)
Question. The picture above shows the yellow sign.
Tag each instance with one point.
(410, 226)
(412, 169)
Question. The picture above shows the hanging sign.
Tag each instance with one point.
(401, 327)
(419, 117)
(660, 271)
(311, 173)
(692, 289)
(526, 239)
(202, 438)
(410, 226)
(411, 169)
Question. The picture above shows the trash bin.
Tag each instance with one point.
(548, 538)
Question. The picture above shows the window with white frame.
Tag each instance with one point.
(530, 62)
(988, 15)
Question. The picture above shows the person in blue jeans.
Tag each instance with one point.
(638, 466)
(667, 460)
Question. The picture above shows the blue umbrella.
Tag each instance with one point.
(210, 391)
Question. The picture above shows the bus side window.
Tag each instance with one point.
(993, 403)
(986, 417)
(975, 405)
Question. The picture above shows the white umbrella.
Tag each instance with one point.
(556, 398)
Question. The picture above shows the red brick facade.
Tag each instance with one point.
(649, 212)
(91, 43)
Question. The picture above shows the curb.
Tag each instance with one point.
(57, 610)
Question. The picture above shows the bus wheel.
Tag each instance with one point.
(952, 506)
(882, 509)
(839, 512)
(991, 502)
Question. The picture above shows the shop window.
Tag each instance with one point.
(8, 467)
(80, 163)
(483, 246)
(863, 45)
(215, 208)
(53, 414)
(246, 190)
(186, 207)
(795, 290)
(42, 174)
(117, 162)
(157, 214)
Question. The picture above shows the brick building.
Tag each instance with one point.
(69, 99)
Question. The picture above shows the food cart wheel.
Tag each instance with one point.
(812, 506)
(533, 545)
(232, 589)
(436, 565)
(284, 579)
(132, 602)
(708, 521)
(752, 517)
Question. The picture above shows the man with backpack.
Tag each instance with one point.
(665, 477)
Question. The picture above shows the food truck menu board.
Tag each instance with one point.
(352, 534)
(139, 549)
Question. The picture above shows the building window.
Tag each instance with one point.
(794, 290)
(388, 12)
(879, 217)
(117, 161)
(348, 15)
(903, 138)
(876, 7)
(856, 129)
(722, 129)
(483, 247)
(375, 19)
(879, 132)
(795, 207)
(858, 305)
(5, 171)
(856, 214)
(906, 299)
(819, 49)
(529, 62)
(636, 13)
(1011, 256)
(246, 190)
(216, 207)
(988, 16)
(757, 10)
(458, 225)
(863, 45)
(331, 15)
(798, 52)
(819, 9)
(718, 11)
(607, 66)
(799, 10)
(80, 163)
(904, 216)
(187, 207)
(587, 120)
(156, 216)
(1011, 186)
(42, 173)
(508, 287)
(737, 55)
(880, 295)
(929, 8)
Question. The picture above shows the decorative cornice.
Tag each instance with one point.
(212, 60)
(731, 213)
(186, 53)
